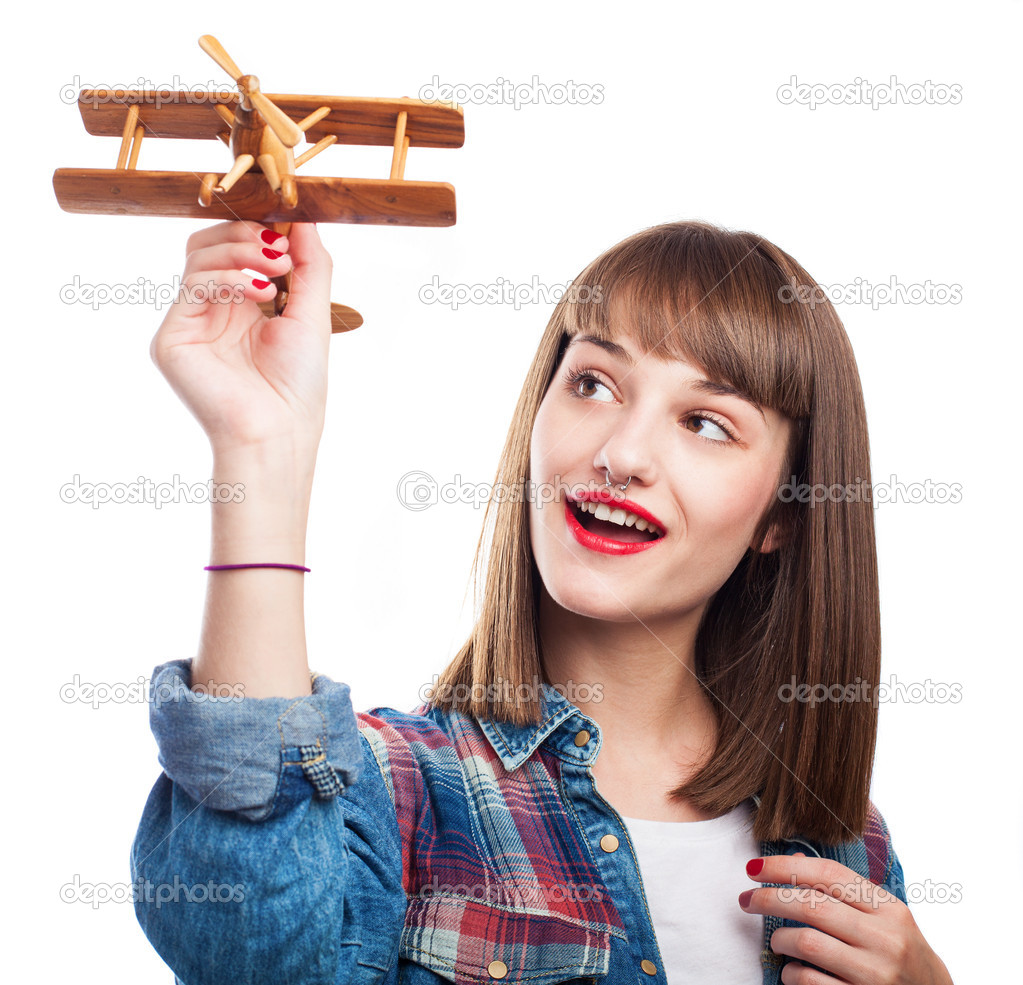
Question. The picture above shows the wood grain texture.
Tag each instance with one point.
(342, 318)
(353, 120)
(320, 199)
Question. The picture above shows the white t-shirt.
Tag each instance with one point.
(693, 873)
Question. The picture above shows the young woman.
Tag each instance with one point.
(622, 734)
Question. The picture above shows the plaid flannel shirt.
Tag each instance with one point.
(401, 848)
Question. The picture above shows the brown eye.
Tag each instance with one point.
(707, 429)
(577, 381)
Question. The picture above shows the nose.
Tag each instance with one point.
(626, 455)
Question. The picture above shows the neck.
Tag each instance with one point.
(637, 681)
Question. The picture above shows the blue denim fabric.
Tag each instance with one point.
(270, 849)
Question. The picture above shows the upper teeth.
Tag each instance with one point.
(622, 517)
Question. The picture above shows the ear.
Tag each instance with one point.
(776, 537)
(778, 533)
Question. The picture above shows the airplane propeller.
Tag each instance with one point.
(248, 85)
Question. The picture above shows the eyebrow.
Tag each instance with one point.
(612, 348)
(700, 385)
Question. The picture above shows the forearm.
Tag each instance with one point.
(253, 631)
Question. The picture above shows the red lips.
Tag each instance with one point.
(606, 545)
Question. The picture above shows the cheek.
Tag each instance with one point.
(733, 503)
(546, 451)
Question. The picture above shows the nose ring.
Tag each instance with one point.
(607, 483)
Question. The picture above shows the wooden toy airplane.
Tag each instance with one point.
(262, 184)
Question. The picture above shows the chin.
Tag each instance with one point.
(591, 596)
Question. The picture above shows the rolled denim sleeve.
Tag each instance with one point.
(231, 753)
(268, 850)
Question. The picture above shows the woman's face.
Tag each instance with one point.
(705, 465)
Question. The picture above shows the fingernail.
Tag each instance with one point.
(272, 254)
(260, 284)
(745, 897)
(753, 866)
(269, 236)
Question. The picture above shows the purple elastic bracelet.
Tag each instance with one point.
(232, 567)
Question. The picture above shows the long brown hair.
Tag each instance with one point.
(807, 612)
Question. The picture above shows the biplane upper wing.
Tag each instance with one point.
(353, 120)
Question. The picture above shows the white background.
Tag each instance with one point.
(689, 126)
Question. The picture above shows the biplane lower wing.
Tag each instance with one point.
(372, 201)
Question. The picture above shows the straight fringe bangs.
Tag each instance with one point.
(806, 613)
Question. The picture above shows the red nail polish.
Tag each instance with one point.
(260, 284)
(269, 236)
(272, 254)
(745, 897)
(753, 866)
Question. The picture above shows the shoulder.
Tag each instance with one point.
(871, 855)
(877, 843)
(422, 748)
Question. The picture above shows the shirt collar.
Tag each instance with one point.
(562, 728)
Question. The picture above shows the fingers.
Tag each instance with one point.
(813, 882)
(309, 300)
(219, 256)
(243, 231)
(239, 253)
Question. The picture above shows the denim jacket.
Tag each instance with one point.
(294, 842)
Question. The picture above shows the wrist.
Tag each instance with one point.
(261, 511)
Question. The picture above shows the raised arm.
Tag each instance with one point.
(268, 850)
(258, 388)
